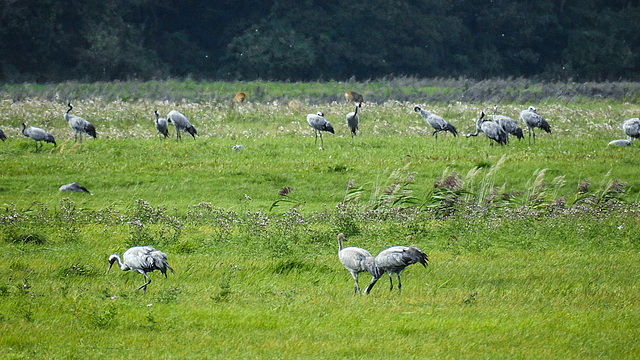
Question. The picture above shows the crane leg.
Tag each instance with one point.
(390, 282)
(370, 286)
(399, 284)
(148, 281)
(356, 289)
(321, 140)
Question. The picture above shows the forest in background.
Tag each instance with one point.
(105, 40)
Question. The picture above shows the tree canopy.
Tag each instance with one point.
(101, 40)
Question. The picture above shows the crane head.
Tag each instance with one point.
(112, 259)
(416, 108)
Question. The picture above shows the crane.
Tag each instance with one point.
(318, 123)
(38, 135)
(74, 186)
(508, 124)
(491, 130)
(631, 127)
(79, 125)
(353, 120)
(352, 96)
(533, 120)
(357, 260)
(181, 123)
(436, 122)
(142, 259)
(3, 137)
(394, 260)
(161, 125)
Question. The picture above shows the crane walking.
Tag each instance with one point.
(161, 125)
(533, 120)
(79, 125)
(319, 124)
(394, 260)
(38, 135)
(436, 122)
(142, 259)
(353, 120)
(357, 260)
(181, 123)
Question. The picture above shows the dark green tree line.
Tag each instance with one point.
(51, 40)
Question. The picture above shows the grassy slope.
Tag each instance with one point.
(521, 287)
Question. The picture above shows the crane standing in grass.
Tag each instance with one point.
(508, 124)
(181, 123)
(353, 120)
(491, 130)
(142, 259)
(533, 120)
(357, 260)
(319, 124)
(394, 260)
(79, 125)
(436, 122)
(631, 127)
(38, 135)
(161, 125)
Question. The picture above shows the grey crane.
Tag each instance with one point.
(394, 260)
(356, 260)
(631, 127)
(353, 120)
(436, 122)
(79, 125)
(533, 120)
(74, 186)
(491, 130)
(319, 124)
(161, 125)
(143, 260)
(38, 135)
(621, 142)
(508, 124)
(3, 137)
(181, 123)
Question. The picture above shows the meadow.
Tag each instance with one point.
(533, 248)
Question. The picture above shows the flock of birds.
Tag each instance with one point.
(146, 259)
(498, 129)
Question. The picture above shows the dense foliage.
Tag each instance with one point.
(47, 40)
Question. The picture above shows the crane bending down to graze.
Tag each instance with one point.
(491, 130)
(357, 260)
(3, 137)
(436, 122)
(181, 123)
(74, 186)
(352, 96)
(38, 135)
(353, 120)
(79, 125)
(161, 125)
(142, 259)
(319, 124)
(631, 127)
(533, 120)
(508, 124)
(394, 260)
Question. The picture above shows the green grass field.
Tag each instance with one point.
(533, 248)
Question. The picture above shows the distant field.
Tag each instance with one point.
(533, 248)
